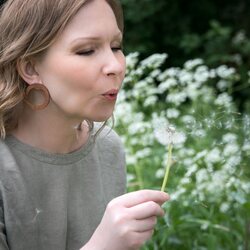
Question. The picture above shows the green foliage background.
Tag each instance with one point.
(216, 31)
(166, 84)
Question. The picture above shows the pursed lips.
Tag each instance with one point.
(111, 94)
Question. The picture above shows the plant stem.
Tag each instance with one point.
(169, 161)
(139, 176)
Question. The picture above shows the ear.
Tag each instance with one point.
(27, 71)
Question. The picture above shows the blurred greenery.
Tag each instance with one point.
(216, 31)
(209, 181)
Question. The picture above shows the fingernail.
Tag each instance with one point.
(166, 195)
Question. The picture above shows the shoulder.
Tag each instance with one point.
(5, 153)
(7, 161)
(109, 144)
(111, 155)
(108, 137)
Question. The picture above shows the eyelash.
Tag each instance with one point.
(92, 51)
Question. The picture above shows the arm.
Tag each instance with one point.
(128, 221)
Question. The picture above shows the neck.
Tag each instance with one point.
(50, 132)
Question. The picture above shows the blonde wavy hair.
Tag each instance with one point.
(27, 29)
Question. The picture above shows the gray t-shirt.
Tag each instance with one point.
(56, 201)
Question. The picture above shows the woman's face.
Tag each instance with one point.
(84, 69)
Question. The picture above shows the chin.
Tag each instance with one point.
(101, 117)
(100, 114)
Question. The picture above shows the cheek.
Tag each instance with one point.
(70, 77)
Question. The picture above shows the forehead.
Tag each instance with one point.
(95, 18)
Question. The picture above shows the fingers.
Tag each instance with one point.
(138, 197)
(144, 225)
(141, 238)
(145, 210)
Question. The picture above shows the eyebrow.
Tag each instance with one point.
(94, 38)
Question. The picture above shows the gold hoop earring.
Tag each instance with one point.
(43, 90)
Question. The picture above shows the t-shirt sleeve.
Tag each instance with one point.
(3, 241)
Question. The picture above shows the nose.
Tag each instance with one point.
(114, 63)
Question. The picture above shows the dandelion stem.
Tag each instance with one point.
(139, 176)
(169, 161)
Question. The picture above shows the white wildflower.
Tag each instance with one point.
(130, 177)
(187, 162)
(230, 149)
(160, 173)
(200, 155)
(239, 38)
(145, 152)
(224, 100)
(176, 98)
(175, 195)
(229, 138)
(149, 101)
(191, 170)
(132, 60)
(185, 180)
(192, 91)
(212, 73)
(213, 156)
(154, 61)
(188, 119)
(224, 72)
(201, 74)
(185, 77)
(142, 84)
(233, 161)
(199, 133)
(155, 73)
(135, 128)
(246, 146)
(165, 85)
(131, 159)
(223, 84)
(169, 73)
(172, 113)
(201, 175)
(122, 110)
(224, 207)
(189, 65)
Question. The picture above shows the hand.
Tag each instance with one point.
(128, 221)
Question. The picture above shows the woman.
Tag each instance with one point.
(62, 177)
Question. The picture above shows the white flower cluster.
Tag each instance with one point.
(211, 145)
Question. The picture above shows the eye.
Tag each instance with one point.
(85, 52)
(117, 48)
